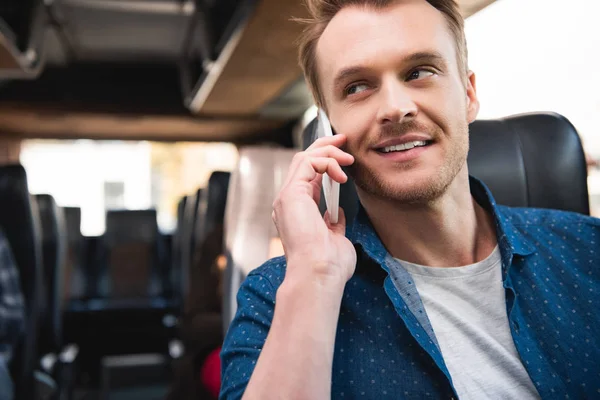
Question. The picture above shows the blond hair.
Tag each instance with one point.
(322, 12)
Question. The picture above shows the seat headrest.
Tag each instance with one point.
(73, 223)
(51, 218)
(131, 226)
(526, 160)
(215, 198)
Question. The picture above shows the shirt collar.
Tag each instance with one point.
(510, 240)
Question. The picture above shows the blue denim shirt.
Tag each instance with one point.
(385, 345)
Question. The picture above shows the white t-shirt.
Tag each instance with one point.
(467, 309)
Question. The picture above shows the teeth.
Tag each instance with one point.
(405, 146)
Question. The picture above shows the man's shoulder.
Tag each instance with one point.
(272, 270)
(542, 217)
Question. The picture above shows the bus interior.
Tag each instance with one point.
(142, 143)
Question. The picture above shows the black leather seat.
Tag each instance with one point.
(188, 243)
(56, 358)
(201, 323)
(527, 160)
(126, 314)
(54, 246)
(177, 253)
(19, 221)
(75, 275)
(135, 257)
(203, 304)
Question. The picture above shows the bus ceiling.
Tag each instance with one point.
(152, 69)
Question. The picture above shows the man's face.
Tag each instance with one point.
(390, 80)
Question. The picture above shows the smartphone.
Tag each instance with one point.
(331, 188)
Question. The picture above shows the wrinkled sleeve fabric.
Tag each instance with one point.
(246, 335)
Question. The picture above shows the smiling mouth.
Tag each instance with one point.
(405, 146)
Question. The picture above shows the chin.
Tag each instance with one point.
(408, 186)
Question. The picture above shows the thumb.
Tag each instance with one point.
(340, 226)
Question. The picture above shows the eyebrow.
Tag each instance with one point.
(422, 56)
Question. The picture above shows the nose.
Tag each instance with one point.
(396, 103)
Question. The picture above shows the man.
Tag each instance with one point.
(433, 291)
(11, 314)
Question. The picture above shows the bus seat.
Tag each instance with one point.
(209, 244)
(54, 244)
(511, 156)
(176, 251)
(202, 325)
(56, 359)
(128, 318)
(20, 223)
(75, 277)
(250, 234)
(132, 241)
(188, 241)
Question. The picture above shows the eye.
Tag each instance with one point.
(356, 88)
(419, 74)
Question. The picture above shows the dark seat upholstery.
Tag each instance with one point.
(19, 221)
(132, 241)
(57, 359)
(177, 253)
(205, 276)
(127, 316)
(200, 327)
(188, 243)
(54, 246)
(75, 276)
(203, 304)
(527, 160)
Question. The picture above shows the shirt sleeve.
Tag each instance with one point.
(246, 335)
(12, 311)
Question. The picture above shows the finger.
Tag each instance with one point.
(324, 142)
(331, 151)
(340, 226)
(308, 170)
(317, 183)
(335, 140)
(340, 157)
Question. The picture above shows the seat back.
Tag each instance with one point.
(54, 246)
(131, 239)
(531, 160)
(75, 277)
(250, 234)
(176, 250)
(20, 223)
(526, 160)
(205, 276)
(188, 242)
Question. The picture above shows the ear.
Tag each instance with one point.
(472, 100)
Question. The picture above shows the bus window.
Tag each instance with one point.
(102, 175)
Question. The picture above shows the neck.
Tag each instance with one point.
(451, 231)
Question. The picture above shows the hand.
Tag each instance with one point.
(312, 244)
